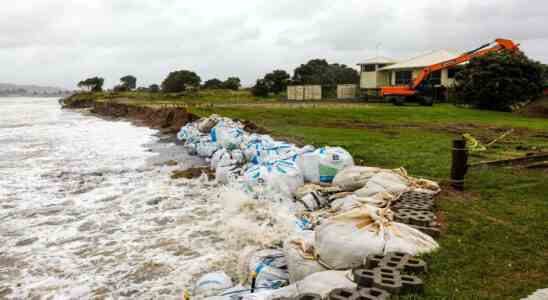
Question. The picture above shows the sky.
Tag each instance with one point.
(59, 42)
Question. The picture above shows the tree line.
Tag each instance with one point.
(316, 71)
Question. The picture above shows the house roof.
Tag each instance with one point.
(378, 60)
(424, 60)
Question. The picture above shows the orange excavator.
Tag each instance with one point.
(416, 90)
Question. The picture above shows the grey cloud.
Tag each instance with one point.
(58, 42)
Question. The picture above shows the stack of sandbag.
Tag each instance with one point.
(353, 178)
(282, 176)
(344, 241)
(322, 165)
(396, 182)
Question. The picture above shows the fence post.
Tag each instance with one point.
(459, 165)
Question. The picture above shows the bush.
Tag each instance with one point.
(498, 81)
(261, 88)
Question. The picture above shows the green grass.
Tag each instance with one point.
(495, 239)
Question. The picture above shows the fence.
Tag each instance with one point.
(304, 92)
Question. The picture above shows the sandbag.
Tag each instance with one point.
(318, 283)
(205, 147)
(189, 133)
(229, 138)
(257, 153)
(385, 181)
(269, 265)
(350, 202)
(344, 241)
(223, 157)
(212, 283)
(301, 261)
(282, 175)
(353, 178)
(322, 165)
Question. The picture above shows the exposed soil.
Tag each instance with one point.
(537, 109)
(193, 173)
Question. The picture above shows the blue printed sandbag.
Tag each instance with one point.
(281, 175)
(189, 133)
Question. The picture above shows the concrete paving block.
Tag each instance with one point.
(415, 265)
(343, 294)
(375, 293)
(364, 277)
(388, 282)
(411, 285)
(373, 260)
(308, 296)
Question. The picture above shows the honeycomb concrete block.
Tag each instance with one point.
(364, 277)
(374, 293)
(412, 285)
(373, 260)
(308, 296)
(403, 262)
(343, 294)
(390, 282)
(415, 265)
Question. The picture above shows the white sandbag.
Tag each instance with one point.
(189, 133)
(386, 181)
(191, 147)
(403, 238)
(229, 138)
(350, 202)
(257, 153)
(301, 262)
(322, 165)
(212, 283)
(344, 241)
(205, 125)
(331, 161)
(318, 283)
(242, 293)
(227, 173)
(354, 177)
(223, 157)
(205, 147)
(282, 176)
(269, 265)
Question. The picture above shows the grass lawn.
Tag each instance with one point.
(495, 239)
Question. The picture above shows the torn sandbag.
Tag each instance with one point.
(206, 124)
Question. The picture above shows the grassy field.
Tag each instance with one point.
(495, 239)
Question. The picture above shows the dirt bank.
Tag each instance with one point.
(168, 120)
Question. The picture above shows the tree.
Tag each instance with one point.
(232, 83)
(319, 71)
(498, 80)
(178, 81)
(93, 84)
(129, 81)
(261, 88)
(278, 80)
(154, 88)
(213, 84)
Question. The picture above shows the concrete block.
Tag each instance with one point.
(375, 293)
(342, 294)
(415, 265)
(308, 296)
(412, 285)
(373, 260)
(364, 277)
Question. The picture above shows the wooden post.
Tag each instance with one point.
(459, 165)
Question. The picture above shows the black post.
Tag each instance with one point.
(460, 164)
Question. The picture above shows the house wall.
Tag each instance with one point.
(368, 80)
(445, 80)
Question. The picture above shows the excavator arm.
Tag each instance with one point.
(501, 44)
(411, 90)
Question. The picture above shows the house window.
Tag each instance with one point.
(435, 78)
(368, 68)
(451, 73)
(403, 77)
(381, 66)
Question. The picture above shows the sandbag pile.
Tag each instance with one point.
(259, 160)
(343, 211)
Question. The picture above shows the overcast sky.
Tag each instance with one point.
(59, 42)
